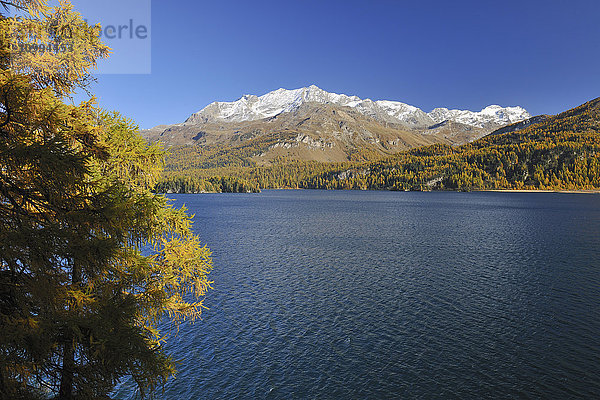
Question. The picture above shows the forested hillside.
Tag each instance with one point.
(558, 153)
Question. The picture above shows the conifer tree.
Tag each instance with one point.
(90, 259)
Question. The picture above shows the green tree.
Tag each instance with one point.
(90, 259)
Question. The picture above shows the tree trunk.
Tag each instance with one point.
(68, 366)
(68, 370)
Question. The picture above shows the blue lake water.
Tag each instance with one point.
(352, 294)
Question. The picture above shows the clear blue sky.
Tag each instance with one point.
(542, 55)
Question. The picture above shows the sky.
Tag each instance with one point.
(541, 55)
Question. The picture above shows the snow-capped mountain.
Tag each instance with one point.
(493, 114)
(252, 108)
(312, 124)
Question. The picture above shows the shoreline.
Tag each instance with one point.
(541, 191)
(593, 191)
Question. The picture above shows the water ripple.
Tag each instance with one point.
(394, 295)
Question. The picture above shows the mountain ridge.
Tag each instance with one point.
(314, 131)
(252, 107)
(310, 124)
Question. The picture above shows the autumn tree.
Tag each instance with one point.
(90, 259)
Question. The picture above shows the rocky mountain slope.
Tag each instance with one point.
(312, 124)
(518, 126)
(560, 152)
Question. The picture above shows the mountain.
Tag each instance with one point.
(251, 108)
(313, 131)
(312, 124)
(560, 152)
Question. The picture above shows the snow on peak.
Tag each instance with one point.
(493, 114)
(251, 107)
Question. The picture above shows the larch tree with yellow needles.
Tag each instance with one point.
(91, 261)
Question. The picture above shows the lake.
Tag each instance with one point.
(386, 295)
